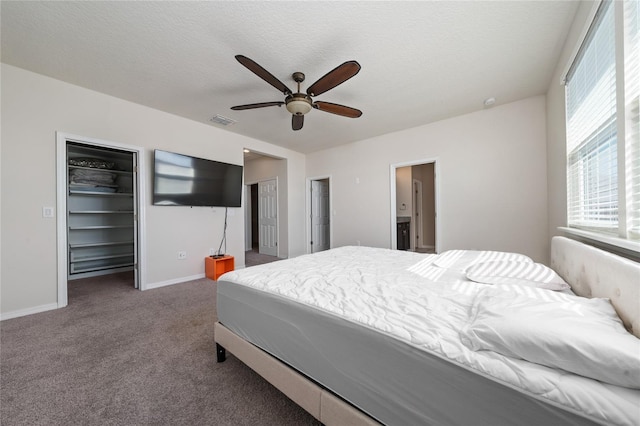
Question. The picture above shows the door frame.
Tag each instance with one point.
(417, 233)
(248, 235)
(61, 209)
(247, 210)
(436, 190)
(308, 210)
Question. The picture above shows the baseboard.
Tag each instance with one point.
(159, 284)
(52, 306)
(28, 311)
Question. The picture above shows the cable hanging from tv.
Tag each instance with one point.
(220, 253)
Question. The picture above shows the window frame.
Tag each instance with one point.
(621, 238)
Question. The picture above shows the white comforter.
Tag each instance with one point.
(406, 295)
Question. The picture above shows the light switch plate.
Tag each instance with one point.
(48, 212)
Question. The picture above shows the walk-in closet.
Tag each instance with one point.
(101, 211)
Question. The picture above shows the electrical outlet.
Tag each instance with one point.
(182, 255)
(212, 252)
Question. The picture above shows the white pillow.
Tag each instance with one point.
(516, 272)
(462, 259)
(579, 335)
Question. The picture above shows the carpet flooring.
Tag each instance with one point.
(253, 257)
(119, 356)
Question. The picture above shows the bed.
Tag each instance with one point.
(359, 335)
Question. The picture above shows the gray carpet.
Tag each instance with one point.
(118, 356)
(253, 257)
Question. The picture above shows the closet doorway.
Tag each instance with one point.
(99, 197)
(414, 219)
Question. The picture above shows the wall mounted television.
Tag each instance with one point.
(182, 180)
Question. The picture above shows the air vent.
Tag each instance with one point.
(223, 121)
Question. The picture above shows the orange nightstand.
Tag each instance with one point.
(214, 267)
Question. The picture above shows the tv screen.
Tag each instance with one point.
(182, 180)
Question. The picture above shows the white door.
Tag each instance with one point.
(319, 215)
(268, 217)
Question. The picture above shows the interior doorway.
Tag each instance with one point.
(417, 214)
(319, 217)
(100, 212)
(252, 234)
(265, 207)
(414, 224)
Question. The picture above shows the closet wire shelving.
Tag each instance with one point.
(101, 224)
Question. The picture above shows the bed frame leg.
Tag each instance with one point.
(221, 353)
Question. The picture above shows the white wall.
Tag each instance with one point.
(34, 107)
(492, 180)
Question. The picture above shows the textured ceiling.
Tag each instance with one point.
(421, 61)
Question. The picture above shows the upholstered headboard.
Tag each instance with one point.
(592, 272)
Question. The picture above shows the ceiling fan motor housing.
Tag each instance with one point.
(298, 103)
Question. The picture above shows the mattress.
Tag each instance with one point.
(380, 329)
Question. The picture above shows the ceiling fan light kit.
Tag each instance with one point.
(299, 104)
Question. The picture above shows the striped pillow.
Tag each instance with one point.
(462, 259)
(518, 273)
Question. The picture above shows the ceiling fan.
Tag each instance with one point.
(298, 104)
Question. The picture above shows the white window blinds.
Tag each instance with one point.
(591, 129)
(632, 107)
(602, 114)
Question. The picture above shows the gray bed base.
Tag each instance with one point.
(388, 380)
(317, 401)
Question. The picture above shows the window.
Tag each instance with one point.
(603, 141)
(632, 110)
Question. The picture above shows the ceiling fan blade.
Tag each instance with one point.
(337, 109)
(258, 105)
(263, 74)
(297, 121)
(337, 76)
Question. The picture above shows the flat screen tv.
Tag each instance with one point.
(182, 180)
